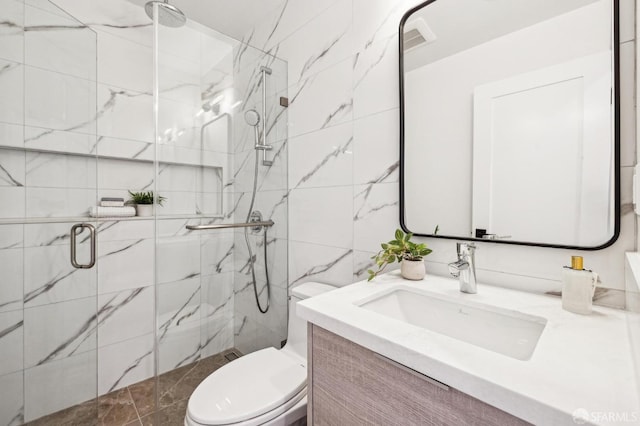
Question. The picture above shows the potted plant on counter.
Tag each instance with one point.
(144, 202)
(409, 254)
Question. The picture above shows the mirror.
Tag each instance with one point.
(509, 121)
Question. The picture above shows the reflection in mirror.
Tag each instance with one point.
(510, 121)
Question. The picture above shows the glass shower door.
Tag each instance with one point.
(205, 149)
(48, 278)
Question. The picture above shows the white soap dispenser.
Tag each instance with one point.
(578, 287)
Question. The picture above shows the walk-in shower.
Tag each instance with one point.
(140, 301)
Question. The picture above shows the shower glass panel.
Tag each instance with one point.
(205, 151)
(48, 180)
(146, 295)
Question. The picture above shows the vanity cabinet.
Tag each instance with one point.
(351, 385)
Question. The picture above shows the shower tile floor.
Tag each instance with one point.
(134, 405)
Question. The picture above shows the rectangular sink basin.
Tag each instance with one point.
(499, 330)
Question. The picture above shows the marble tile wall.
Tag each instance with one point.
(73, 91)
(344, 150)
(254, 330)
(58, 321)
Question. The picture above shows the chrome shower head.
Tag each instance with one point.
(252, 117)
(168, 15)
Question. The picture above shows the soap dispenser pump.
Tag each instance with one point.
(578, 287)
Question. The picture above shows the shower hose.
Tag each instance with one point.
(251, 258)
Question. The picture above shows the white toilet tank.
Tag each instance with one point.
(297, 336)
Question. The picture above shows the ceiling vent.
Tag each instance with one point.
(417, 33)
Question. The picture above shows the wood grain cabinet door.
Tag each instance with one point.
(351, 385)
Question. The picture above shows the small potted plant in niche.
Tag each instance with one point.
(409, 254)
(144, 202)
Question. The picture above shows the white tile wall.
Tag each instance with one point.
(59, 330)
(68, 49)
(58, 101)
(50, 278)
(321, 100)
(125, 363)
(375, 153)
(12, 404)
(321, 217)
(12, 169)
(125, 264)
(313, 262)
(11, 84)
(322, 158)
(79, 90)
(125, 315)
(11, 35)
(11, 269)
(11, 358)
(327, 41)
(359, 91)
(56, 385)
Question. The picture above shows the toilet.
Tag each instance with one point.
(266, 387)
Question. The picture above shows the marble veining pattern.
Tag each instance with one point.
(319, 269)
(8, 66)
(371, 99)
(97, 142)
(54, 281)
(11, 329)
(377, 60)
(136, 363)
(88, 329)
(6, 177)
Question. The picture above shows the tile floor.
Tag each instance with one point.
(134, 405)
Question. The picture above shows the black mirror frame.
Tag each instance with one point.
(616, 72)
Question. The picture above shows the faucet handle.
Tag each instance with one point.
(462, 248)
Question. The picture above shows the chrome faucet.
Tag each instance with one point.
(465, 267)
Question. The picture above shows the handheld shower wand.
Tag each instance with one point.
(253, 119)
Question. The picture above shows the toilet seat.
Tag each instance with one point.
(250, 390)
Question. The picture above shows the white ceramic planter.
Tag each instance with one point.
(144, 210)
(412, 269)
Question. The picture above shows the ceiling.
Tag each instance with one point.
(234, 18)
(462, 24)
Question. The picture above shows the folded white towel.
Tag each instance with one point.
(111, 203)
(100, 211)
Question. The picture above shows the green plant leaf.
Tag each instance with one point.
(399, 235)
(145, 198)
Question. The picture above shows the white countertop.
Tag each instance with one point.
(580, 362)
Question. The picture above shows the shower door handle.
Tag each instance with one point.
(92, 236)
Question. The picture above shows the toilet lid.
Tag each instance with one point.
(247, 387)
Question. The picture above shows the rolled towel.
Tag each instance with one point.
(111, 203)
(100, 211)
